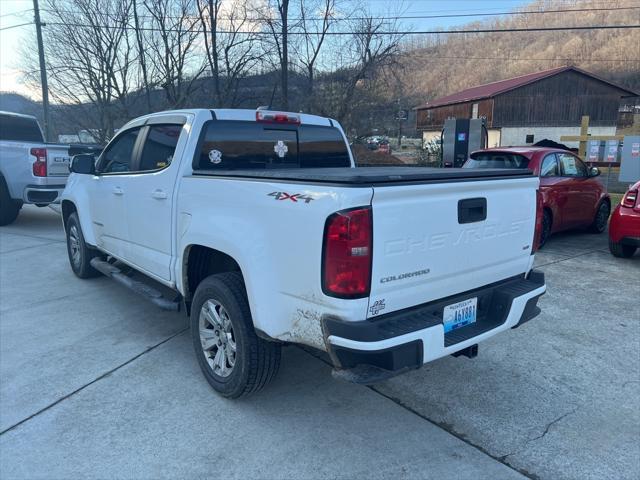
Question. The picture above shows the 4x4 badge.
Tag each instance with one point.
(294, 197)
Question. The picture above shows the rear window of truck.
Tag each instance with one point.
(237, 145)
(497, 160)
(19, 129)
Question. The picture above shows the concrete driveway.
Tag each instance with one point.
(96, 383)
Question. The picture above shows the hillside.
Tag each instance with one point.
(437, 66)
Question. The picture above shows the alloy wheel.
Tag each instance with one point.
(217, 338)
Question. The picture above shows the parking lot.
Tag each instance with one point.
(96, 382)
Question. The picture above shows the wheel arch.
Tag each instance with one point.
(200, 261)
(68, 207)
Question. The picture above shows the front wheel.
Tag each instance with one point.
(599, 224)
(234, 360)
(80, 254)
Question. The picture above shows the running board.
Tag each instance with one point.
(150, 293)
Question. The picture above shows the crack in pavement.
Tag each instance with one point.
(97, 379)
(48, 239)
(543, 434)
(32, 246)
(569, 258)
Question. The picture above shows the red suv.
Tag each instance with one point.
(624, 228)
(571, 195)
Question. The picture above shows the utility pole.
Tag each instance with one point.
(43, 72)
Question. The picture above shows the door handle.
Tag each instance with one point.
(117, 191)
(159, 194)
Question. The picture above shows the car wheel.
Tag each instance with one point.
(80, 254)
(599, 224)
(234, 360)
(621, 251)
(547, 222)
(9, 208)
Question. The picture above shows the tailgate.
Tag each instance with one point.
(432, 240)
(57, 161)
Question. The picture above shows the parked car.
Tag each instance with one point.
(266, 233)
(624, 227)
(31, 171)
(572, 196)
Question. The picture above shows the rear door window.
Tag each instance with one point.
(19, 129)
(497, 160)
(232, 145)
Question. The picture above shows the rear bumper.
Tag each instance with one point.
(399, 341)
(42, 193)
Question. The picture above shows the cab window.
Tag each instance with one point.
(159, 147)
(118, 156)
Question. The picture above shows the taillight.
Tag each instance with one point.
(40, 165)
(277, 117)
(346, 269)
(539, 218)
(630, 199)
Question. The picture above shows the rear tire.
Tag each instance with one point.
(547, 222)
(80, 254)
(601, 219)
(9, 208)
(621, 251)
(234, 360)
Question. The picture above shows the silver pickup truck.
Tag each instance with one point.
(31, 171)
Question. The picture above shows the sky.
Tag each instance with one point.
(16, 12)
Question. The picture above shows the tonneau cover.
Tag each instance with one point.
(370, 175)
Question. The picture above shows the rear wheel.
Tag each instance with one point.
(80, 254)
(234, 360)
(547, 222)
(9, 208)
(621, 251)
(599, 224)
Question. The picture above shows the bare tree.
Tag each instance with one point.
(374, 49)
(171, 45)
(231, 45)
(314, 32)
(278, 25)
(89, 60)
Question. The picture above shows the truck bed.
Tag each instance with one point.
(369, 176)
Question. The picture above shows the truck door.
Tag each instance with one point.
(108, 196)
(151, 193)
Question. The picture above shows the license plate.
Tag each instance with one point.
(460, 314)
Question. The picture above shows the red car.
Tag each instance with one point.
(624, 228)
(571, 195)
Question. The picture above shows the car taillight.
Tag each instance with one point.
(277, 117)
(40, 165)
(346, 268)
(539, 217)
(630, 199)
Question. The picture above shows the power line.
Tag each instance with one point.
(392, 17)
(15, 26)
(16, 14)
(343, 33)
(577, 60)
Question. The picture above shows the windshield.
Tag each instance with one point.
(496, 160)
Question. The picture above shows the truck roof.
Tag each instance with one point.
(245, 114)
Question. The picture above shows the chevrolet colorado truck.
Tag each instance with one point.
(258, 224)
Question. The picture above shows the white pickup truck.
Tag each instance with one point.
(31, 171)
(259, 225)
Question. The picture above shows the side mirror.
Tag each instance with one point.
(594, 172)
(85, 163)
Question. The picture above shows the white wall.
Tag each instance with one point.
(516, 136)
